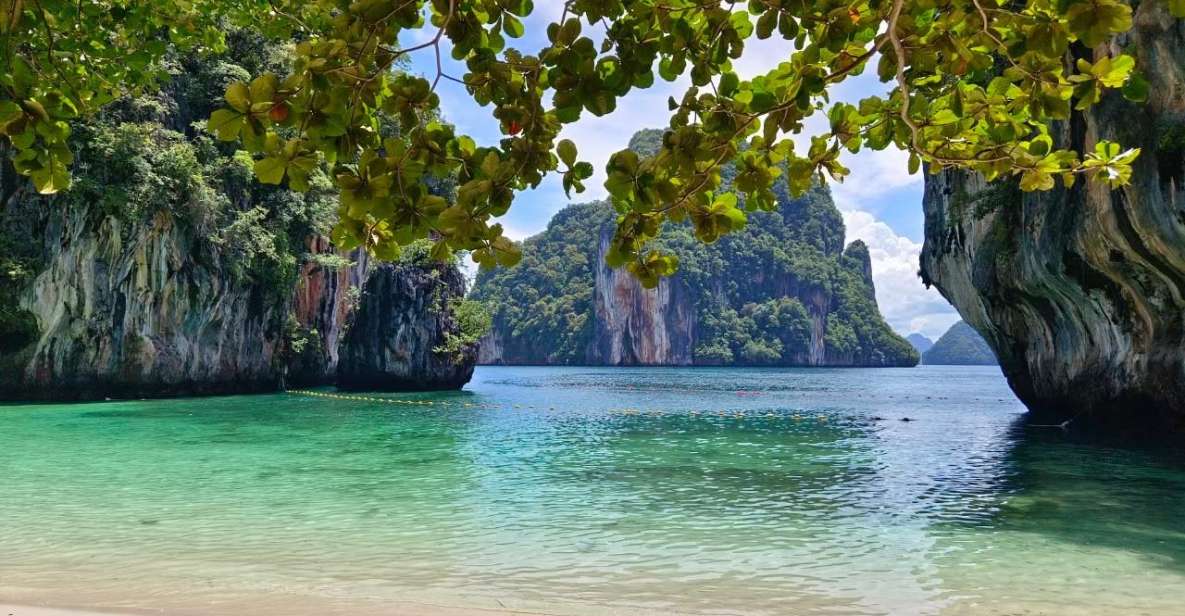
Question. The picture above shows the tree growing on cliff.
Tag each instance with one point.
(976, 85)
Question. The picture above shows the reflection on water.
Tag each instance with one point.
(576, 491)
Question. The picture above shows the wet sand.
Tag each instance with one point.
(24, 610)
(397, 609)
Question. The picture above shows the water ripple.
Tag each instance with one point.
(582, 491)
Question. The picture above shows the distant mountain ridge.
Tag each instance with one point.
(961, 345)
(782, 291)
(920, 343)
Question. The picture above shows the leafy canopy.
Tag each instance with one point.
(976, 84)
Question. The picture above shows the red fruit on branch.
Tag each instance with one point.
(515, 128)
(278, 112)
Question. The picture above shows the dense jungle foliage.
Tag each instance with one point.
(754, 292)
(148, 158)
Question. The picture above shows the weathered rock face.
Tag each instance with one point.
(491, 351)
(167, 269)
(323, 302)
(138, 310)
(400, 326)
(639, 326)
(149, 310)
(1081, 292)
(660, 327)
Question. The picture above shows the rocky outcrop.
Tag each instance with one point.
(858, 252)
(639, 326)
(491, 350)
(168, 270)
(400, 332)
(322, 304)
(149, 310)
(1081, 292)
(784, 291)
(636, 326)
(136, 310)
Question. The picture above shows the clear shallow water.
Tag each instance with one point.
(590, 491)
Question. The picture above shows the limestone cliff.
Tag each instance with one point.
(783, 291)
(323, 302)
(135, 311)
(1081, 292)
(401, 329)
(149, 310)
(167, 270)
(639, 326)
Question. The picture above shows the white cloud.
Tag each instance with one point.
(517, 233)
(933, 325)
(904, 301)
(874, 174)
(598, 138)
(761, 57)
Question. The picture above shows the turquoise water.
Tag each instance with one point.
(590, 491)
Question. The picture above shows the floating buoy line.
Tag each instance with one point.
(358, 398)
(739, 415)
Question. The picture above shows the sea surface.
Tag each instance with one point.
(584, 491)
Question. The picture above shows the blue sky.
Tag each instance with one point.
(880, 201)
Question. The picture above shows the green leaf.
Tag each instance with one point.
(52, 178)
(1036, 180)
(512, 26)
(226, 124)
(1041, 145)
(9, 112)
(728, 84)
(270, 170)
(944, 117)
(1096, 20)
(766, 23)
(263, 89)
(567, 152)
(1136, 88)
(238, 96)
(1114, 72)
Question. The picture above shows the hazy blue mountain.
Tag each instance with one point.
(961, 345)
(919, 342)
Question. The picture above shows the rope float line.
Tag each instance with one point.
(321, 394)
(519, 407)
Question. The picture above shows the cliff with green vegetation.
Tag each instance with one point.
(167, 269)
(411, 329)
(784, 291)
(959, 346)
(1081, 291)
